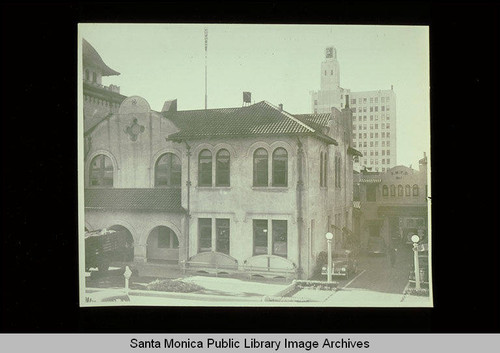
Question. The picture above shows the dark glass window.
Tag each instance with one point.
(400, 190)
(204, 234)
(280, 238)
(385, 190)
(222, 237)
(260, 236)
(415, 190)
(407, 190)
(260, 168)
(94, 77)
(205, 168)
(393, 190)
(280, 167)
(101, 171)
(168, 170)
(167, 238)
(222, 168)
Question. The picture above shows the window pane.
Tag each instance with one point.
(385, 190)
(222, 168)
(400, 190)
(260, 176)
(168, 170)
(205, 234)
(101, 171)
(259, 236)
(393, 190)
(280, 238)
(205, 168)
(415, 190)
(280, 164)
(407, 190)
(222, 240)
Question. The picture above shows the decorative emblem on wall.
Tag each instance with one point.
(134, 130)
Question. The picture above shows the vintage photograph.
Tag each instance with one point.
(254, 165)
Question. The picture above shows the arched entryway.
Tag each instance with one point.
(127, 254)
(162, 245)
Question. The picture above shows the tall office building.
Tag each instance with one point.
(374, 115)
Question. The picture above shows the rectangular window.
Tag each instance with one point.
(376, 126)
(280, 241)
(353, 101)
(388, 118)
(376, 143)
(204, 234)
(364, 109)
(260, 236)
(387, 108)
(354, 127)
(371, 126)
(376, 153)
(382, 99)
(383, 108)
(387, 99)
(388, 143)
(376, 134)
(222, 235)
(376, 109)
(388, 126)
(388, 134)
(360, 135)
(371, 117)
(371, 134)
(376, 99)
(383, 134)
(388, 152)
(383, 159)
(383, 152)
(371, 143)
(315, 102)
(364, 117)
(371, 109)
(383, 126)
(388, 161)
(364, 100)
(371, 100)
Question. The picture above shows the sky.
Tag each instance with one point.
(276, 63)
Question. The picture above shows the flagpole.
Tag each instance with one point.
(206, 49)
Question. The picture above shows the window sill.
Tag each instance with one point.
(214, 188)
(271, 188)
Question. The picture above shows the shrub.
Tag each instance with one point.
(422, 292)
(173, 285)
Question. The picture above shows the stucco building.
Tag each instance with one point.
(392, 206)
(254, 188)
(374, 115)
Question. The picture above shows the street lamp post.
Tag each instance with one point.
(329, 237)
(415, 238)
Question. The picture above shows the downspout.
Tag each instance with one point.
(300, 187)
(188, 184)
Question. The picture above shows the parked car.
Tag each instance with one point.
(342, 265)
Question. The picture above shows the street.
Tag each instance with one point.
(376, 274)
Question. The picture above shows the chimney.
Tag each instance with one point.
(281, 107)
(170, 106)
(247, 97)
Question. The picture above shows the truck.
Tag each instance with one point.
(103, 246)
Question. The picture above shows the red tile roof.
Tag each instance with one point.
(261, 118)
(158, 199)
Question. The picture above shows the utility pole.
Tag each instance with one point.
(206, 51)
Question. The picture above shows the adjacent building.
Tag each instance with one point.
(374, 115)
(251, 189)
(392, 207)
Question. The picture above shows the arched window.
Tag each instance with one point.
(280, 167)
(222, 168)
(400, 190)
(168, 170)
(385, 190)
(415, 190)
(205, 168)
(101, 171)
(393, 190)
(407, 190)
(260, 176)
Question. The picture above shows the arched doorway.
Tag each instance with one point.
(127, 255)
(162, 245)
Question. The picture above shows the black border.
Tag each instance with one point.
(39, 284)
